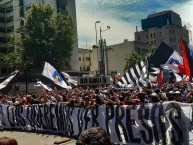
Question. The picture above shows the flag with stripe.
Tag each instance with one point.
(5, 81)
(70, 80)
(136, 76)
(39, 83)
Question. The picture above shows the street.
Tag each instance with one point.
(28, 138)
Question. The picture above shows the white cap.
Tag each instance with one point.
(177, 92)
(171, 92)
(154, 94)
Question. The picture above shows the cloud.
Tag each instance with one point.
(117, 33)
(123, 16)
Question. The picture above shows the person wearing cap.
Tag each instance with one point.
(170, 95)
(177, 96)
(154, 98)
(189, 97)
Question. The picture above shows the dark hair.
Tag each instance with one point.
(13, 100)
(155, 99)
(8, 141)
(97, 91)
(141, 97)
(94, 136)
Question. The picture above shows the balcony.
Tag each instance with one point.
(2, 24)
(2, 15)
(2, 34)
(3, 44)
(9, 14)
(10, 24)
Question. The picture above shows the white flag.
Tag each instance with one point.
(44, 86)
(50, 72)
(8, 79)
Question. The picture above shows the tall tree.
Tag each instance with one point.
(44, 36)
(132, 59)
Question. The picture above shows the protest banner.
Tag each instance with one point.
(161, 123)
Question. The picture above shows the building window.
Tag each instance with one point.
(87, 58)
(151, 42)
(61, 6)
(10, 49)
(154, 35)
(2, 30)
(154, 42)
(170, 31)
(9, 9)
(146, 36)
(160, 33)
(80, 69)
(8, 39)
(138, 50)
(27, 8)
(83, 58)
(151, 35)
(139, 38)
(88, 68)
(174, 39)
(170, 39)
(173, 32)
(2, 10)
(3, 50)
(79, 58)
(10, 29)
(2, 40)
(22, 22)
(2, 20)
(83, 68)
(10, 19)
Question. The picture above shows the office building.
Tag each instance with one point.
(12, 14)
(161, 27)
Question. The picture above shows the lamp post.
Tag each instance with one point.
(96, 30)
(102, 51)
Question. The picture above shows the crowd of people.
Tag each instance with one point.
(107, 95)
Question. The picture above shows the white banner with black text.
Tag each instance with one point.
(162, 123)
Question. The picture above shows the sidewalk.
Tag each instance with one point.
(28, 138)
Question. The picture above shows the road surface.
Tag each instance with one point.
(28, 138)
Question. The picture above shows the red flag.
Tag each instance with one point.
(160, 79)
(185, 58)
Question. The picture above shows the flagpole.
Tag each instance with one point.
(26, 81)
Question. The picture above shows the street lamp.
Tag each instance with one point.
(108, 27)
(102, 49)
(96, 30)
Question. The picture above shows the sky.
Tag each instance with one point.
(122, 16)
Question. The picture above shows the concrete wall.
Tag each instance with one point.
(84, 62)
(116, 56)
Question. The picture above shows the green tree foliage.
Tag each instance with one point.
(44, 36)
(132, 59)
